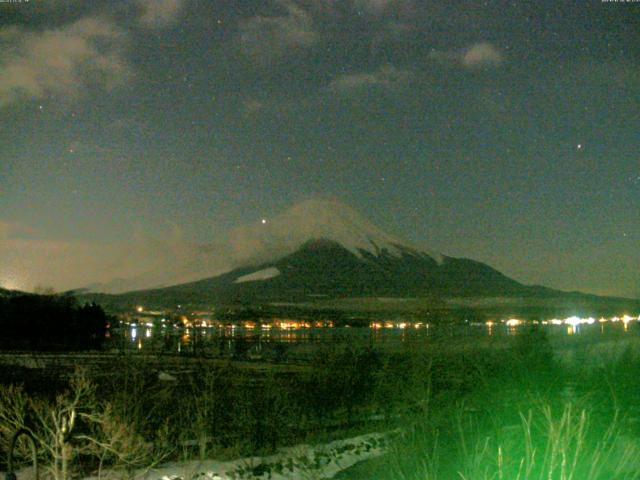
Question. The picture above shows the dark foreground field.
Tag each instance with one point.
(517, 410)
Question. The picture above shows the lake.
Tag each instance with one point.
(258, 341)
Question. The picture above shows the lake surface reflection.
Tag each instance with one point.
(258, 342)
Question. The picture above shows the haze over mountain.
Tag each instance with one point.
(316, 250)
(266, 241)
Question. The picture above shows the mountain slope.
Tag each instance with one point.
(319, 250)
(323, 268)
(176, 261)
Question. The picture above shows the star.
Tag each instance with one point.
(579, 146)
(264, 221)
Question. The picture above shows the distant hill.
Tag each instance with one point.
(9, 293)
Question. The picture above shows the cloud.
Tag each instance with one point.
(264, 39)
(482, 55)
(26, 261)
(479, 55)
(62, 61)
(251, 106)
(6, 229)
(11, 229)
(159, 13)
(386, 76)
(144, 261)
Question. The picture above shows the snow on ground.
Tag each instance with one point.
(264, 274)
(290, 463)
(301, 461)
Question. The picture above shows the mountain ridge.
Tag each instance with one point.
(267, 239)
(323, 268)
(323, 249)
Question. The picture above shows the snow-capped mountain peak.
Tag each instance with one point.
(317, 219)
(264, 241)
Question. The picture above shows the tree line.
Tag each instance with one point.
(50, 322)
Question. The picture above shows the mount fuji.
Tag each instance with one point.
(324, 249)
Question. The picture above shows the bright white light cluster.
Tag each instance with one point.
(572, 321)
(575, 321)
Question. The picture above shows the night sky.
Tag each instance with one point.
(507, 132)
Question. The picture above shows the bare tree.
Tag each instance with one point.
(75, 423)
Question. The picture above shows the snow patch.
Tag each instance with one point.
(264, 274)
(298, 462)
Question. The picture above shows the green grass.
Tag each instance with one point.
(525, 417)
(467, 412)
